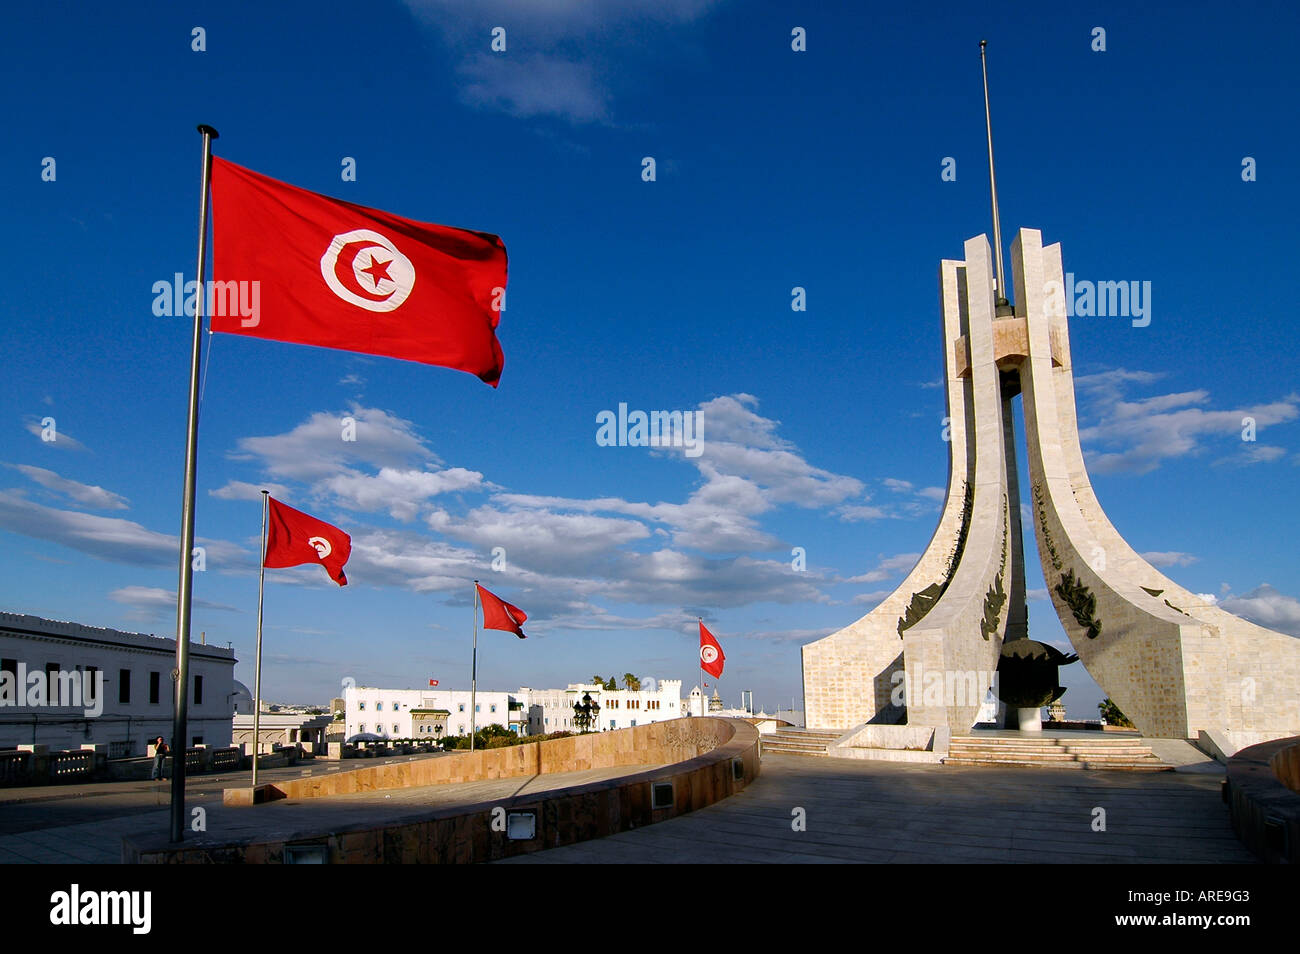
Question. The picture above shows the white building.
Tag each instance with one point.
(135, 703)
(551, 710)
(387, 712)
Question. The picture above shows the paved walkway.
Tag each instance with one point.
(865, 811)
(123, 814)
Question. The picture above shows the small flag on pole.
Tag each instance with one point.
(294, 538)
(432, 683)
(711, 655)
(498, 614)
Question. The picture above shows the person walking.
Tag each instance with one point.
(159, 757)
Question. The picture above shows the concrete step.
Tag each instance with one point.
(773, 745)
(1126, 752)
(1119, 754)
(1153, 766)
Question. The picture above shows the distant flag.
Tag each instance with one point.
(294, 538)
(338, 275)
(711, 654)
(432, 683)
(498, 614)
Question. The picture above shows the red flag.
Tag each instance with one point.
(294, 538)
(338, 275)
(498, 614)
(711, 654)
(433, 682)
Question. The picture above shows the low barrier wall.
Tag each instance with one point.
(1263, 795)
(706, 759)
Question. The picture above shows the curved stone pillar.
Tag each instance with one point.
(1172, 662)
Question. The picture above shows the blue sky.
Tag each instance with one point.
(775, 169)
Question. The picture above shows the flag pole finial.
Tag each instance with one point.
(208, 131)
(1002, 303)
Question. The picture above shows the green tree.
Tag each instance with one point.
(598, 680)
(1110, 712)
(612, 684)
(631, 682)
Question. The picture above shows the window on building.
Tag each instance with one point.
(493, 708)
(10, 666)
(478, 707)
(461, 707)
(362, 704)
(362, 726)
(611, 724)
(394, 728)
(155, 687)
(124, 686)
(379, 706)
(51, 680)
(198, 690)
(634, 723)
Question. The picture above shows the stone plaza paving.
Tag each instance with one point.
(854, 811)
(100, 841)
(871, 811)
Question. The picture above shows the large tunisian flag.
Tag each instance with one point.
(498, 614)
(294, 538)
(711, 655)
(339, 275)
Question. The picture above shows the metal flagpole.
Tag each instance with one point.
(1002, 300)
(185, 590)
(257, 674)
(473, 674)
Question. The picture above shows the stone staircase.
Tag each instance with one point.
(798, 742)
(1125, 753)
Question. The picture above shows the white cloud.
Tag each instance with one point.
(316, 449)
(97, 498)
(400, 492)
(62, 439)
(1252, 453)
(872, 599)
(854, 513)
(1267, 607)
(153, 602)
(535, 85)
(241, 490)
(888, 568)
(1169, 558)
(109, 538)
(563, 57)
(1138, 436)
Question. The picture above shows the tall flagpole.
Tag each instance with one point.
(473, 675)
(1002, 301)
(257, 674)
(185, 590)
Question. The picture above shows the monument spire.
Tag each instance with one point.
(1003, 304)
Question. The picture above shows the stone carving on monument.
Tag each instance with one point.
(1176, 664)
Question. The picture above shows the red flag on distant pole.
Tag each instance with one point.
(432, 683)
(711, 654)
(293, 265)
(294, 538)
(498, 614)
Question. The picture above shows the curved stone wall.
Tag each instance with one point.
(707, 760)
(1263, 796)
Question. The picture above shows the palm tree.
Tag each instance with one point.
(631, 682)
(598, 680)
